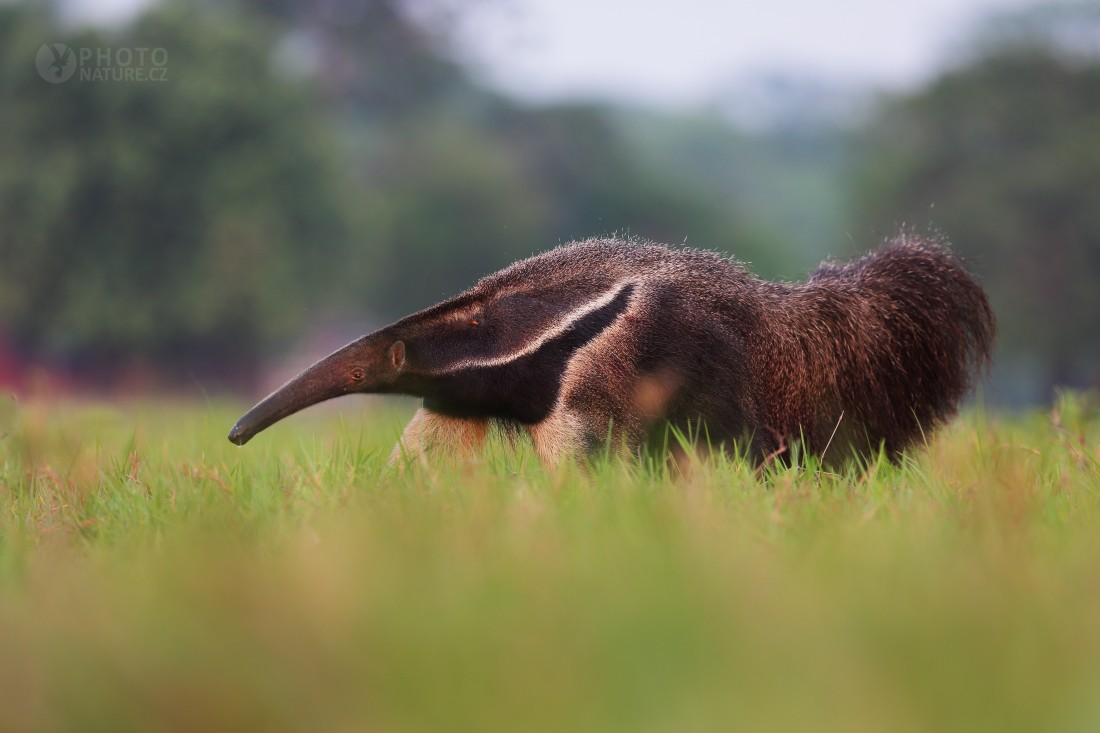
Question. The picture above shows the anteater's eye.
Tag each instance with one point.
(358, 375)
(474, 322)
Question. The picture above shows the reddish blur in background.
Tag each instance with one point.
(200, 197)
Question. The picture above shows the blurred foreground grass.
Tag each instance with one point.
(155, 578)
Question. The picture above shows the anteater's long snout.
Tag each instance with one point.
(314, 385)
(247, 427)
(239, 433)
(369, 364)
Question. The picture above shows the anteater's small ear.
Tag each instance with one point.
(397, 354)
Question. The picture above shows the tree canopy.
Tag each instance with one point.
(297, 160)
(301, 160)
(1003, 155)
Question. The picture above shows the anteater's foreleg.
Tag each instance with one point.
(431, 433)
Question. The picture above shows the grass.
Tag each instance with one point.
(155, 578)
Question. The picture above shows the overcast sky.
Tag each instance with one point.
(682, 51)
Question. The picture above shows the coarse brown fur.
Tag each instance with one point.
(892, 341)
(612, 339)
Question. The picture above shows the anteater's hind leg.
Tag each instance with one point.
(432, 433)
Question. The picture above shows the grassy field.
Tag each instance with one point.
(155, 578)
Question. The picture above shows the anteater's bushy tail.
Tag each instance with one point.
(917, 329)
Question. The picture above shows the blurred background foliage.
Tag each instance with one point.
(1003, 154)
(311, 164)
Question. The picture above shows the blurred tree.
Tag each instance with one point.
(453, 205)
(583, 163)
(457, 181)
(1003, 155)
(368, 57)
(186, 222)
(299, 157)
(788, 180)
